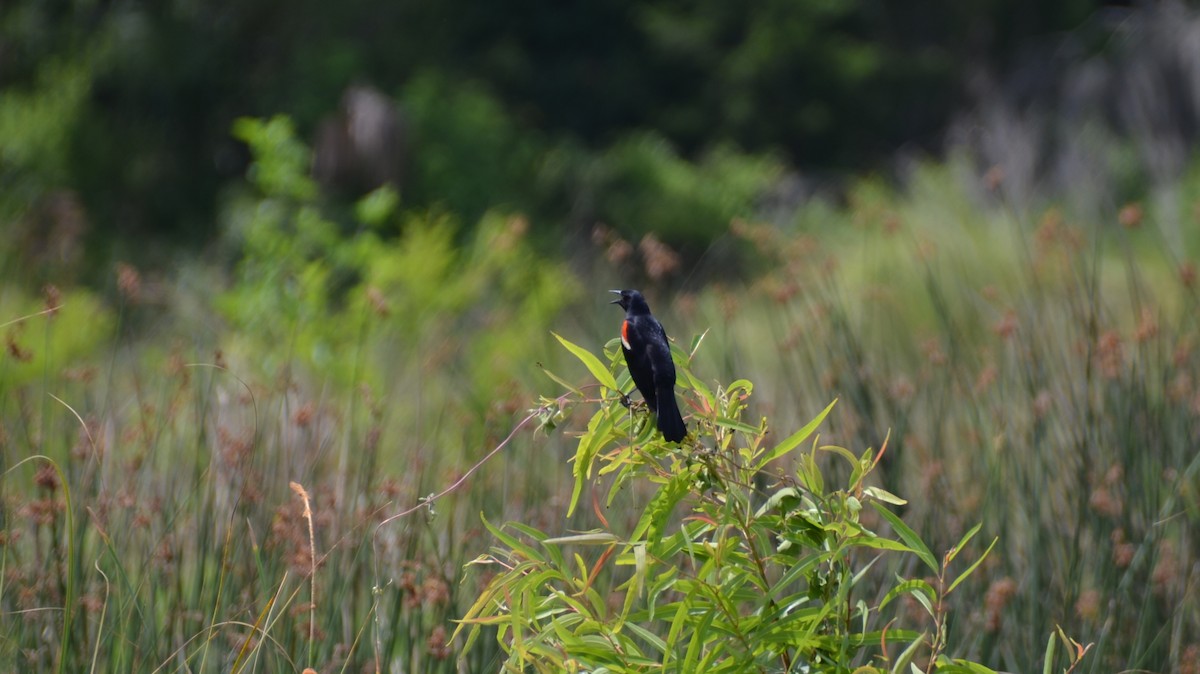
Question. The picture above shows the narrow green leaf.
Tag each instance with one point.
(690, 661)
(906, 656)
(640, 567)
(909, 536)
(512, 542)
(845, 454)
(648, 636)
(690, 381)
(880, 544)
(736, 425)
(811, 476)
(637, 583)
(561, 382)
(245, 650)
(673, 635)
(599, 428)
(628, 470)
(743, 384)
(914, 587)
(962, 543)
(590, 538)
(658, 512)
(529, 531)
(971, 569)
(962, 667)
(875, 637)
(880, 494)
(857, 472)
(925, 601)
(1048, 662)
(581, 580)
(786, 493)
(494, 589)
(801, 568)
(696, 342)
(793, 441)
(590, 361)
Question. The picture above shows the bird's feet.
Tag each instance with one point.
(633, 405)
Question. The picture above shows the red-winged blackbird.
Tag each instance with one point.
(648, 355)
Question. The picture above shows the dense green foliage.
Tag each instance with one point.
(302, 279)
(733, 565)
(129, 104)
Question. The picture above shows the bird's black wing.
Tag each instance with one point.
(640, 360)
(658, 349)
(670, 421)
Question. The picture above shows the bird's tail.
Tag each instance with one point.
(670, 421)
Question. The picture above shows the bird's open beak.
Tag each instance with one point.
(618, 300)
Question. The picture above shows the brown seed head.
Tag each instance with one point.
(660, 259)
(1130, 215)
(46, 477)
(1147, 328)
(439, 647)
(52, 298)
(996, 599)
(129, 282)
(1110, 354)
(20, 354)
(1187, 275)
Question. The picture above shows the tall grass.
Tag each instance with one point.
(1037, 373)
(189, 551)
(232, 473)
(1038, 376)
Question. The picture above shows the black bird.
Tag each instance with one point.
(648, 355)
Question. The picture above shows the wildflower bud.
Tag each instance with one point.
(46, 477)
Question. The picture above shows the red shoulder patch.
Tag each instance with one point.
(625, 334)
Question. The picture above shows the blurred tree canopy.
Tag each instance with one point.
(128, 106)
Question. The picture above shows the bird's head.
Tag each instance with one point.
(631, 300)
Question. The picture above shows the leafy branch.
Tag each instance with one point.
(742, 560)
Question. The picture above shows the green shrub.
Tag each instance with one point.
(736, 564)
(642, 185)
(303, 279)
(468, 154)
